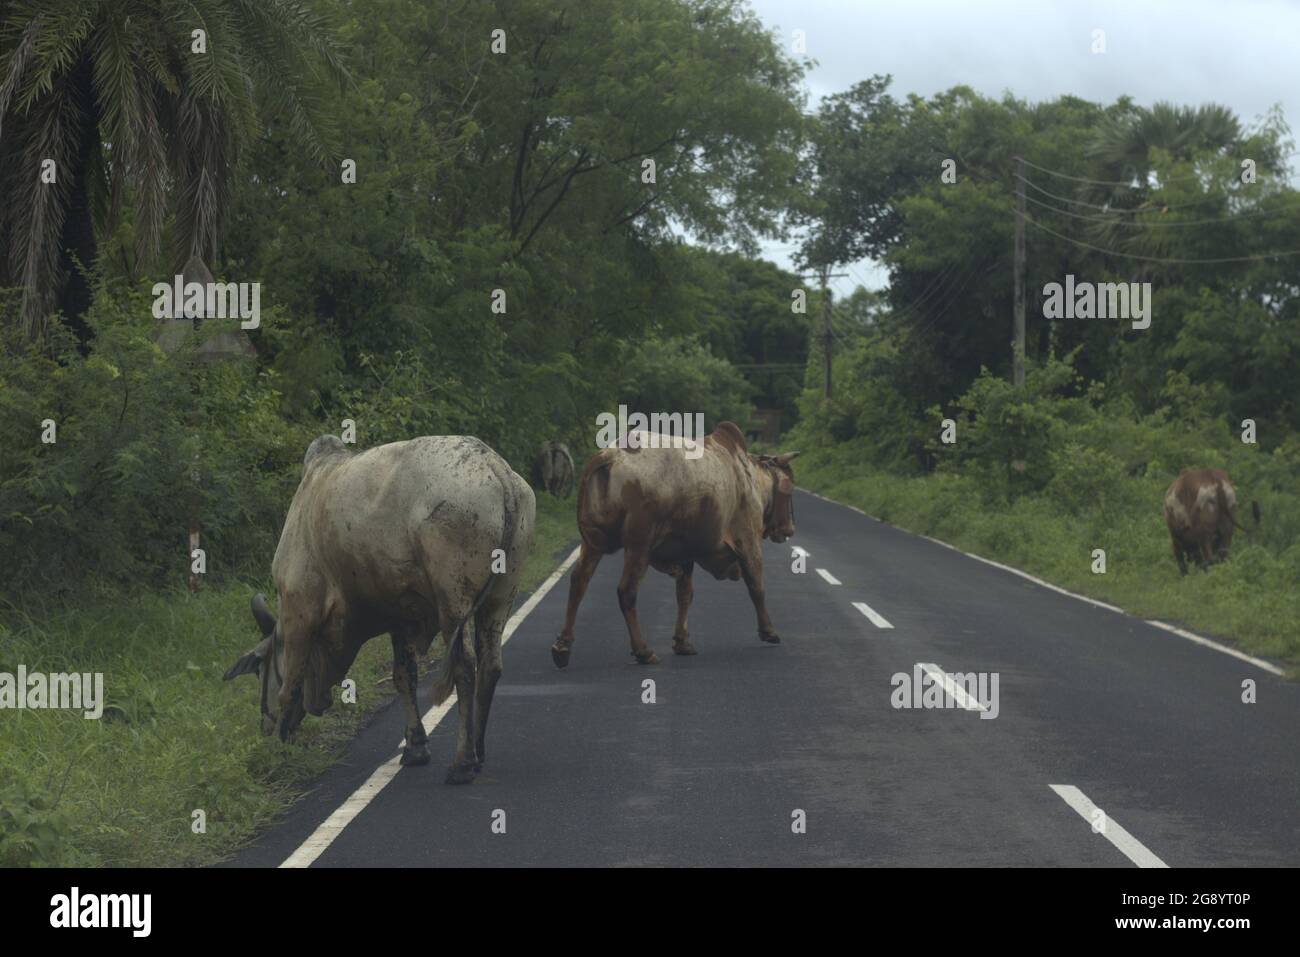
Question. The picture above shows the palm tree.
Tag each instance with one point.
(1125, 152)
(118, 96)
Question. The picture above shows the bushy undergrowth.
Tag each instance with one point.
(1040, 477)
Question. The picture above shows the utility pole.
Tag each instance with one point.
(1018, 347)
(828, 331)
(828, 334)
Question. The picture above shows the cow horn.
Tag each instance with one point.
(262, 613)
(251, 662)
(785, 458)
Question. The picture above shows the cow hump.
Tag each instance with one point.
(729, 436)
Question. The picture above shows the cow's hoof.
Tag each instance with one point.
(770, 637)
(457, 774)
(683, 647)
(414, 756)
(647, 657)
(560, 655)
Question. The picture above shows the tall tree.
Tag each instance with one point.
(147, 103)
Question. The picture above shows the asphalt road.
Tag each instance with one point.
(1145, 725)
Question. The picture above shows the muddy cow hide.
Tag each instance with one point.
(671, 507)
(1201, 513)
(412, 538)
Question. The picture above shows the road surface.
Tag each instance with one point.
(793, 754)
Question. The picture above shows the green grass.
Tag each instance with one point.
(175, 738)
(1251, 601)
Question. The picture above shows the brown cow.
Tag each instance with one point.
(672, 505)
(1201, 512)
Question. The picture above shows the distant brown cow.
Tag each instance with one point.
(674, 507)
(553, 469)
(1201, 512)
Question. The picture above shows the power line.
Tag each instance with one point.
(912, 307)
(1160, 259)
(1111, 209)
(1110, 182)
(1128, 183)
(1186, 222)
(942, 311)
(857, 277)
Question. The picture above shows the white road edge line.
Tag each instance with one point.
(954, 690)
(333, 826)
(831, 579)
(1127, 844)
(876, 619)
(1180, 632)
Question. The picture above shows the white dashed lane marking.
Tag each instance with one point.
(1127, 844)
(876, 619)
(950, 687)
(828, 576)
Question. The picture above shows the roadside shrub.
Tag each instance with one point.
(34, 832)
(680, 375)
(1086, 479)
(142, 441)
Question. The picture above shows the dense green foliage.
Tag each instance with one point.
(1232, 327)
(482, 178)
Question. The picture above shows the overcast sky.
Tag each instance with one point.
(1244, 54)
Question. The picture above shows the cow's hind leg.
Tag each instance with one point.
(462, 663)
(489, 624)
(1180, 557)
(578, 581)
(635, 562)
(685, 593)
(406, 676)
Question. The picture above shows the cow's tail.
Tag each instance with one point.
(568, 483)
(594, 484)
(1221, 497)
(445, 683)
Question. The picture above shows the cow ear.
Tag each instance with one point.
(250, 663)
(262, 614)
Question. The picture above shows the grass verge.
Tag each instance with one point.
(1251, 601)
(175, 739)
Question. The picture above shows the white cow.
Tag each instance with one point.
(411, 538)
